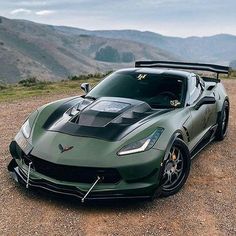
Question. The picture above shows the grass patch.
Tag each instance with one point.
(232, 75)
(19, 91)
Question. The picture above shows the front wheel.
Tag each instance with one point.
(175, 169)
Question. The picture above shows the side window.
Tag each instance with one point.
(195, 90)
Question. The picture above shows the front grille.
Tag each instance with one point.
(72, 173)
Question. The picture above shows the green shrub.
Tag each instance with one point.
(88, 76)
(108, 54)
(77, 77)
(31, 81)
(3, 86)
(34, 82)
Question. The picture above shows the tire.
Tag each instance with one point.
(175, 169)
(223, 121)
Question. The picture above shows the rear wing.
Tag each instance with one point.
(185, 65)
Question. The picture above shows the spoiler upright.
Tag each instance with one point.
(185, 65)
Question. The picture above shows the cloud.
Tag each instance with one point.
(20, 10)
(45, 12)
(169, 17)
(32, 12)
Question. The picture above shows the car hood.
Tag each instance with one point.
(106, 118)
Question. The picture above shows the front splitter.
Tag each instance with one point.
(70, 191)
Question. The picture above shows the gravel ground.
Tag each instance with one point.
(205, 206)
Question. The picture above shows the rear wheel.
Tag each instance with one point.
(176, 168)
(223, 122)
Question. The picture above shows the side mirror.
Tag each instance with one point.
(205, 100)
(85, 87)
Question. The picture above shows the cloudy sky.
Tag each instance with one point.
(169, 17)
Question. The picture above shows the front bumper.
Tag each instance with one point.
(134, 192)
(144, 187)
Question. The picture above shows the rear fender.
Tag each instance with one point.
(222, 96)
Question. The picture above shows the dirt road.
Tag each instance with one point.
(205, 206)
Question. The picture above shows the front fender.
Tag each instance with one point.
(48, 113)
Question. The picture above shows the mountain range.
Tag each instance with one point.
(56, 52)
(219, 48)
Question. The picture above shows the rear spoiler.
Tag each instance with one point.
(185, 65)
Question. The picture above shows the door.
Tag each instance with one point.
(203, 118)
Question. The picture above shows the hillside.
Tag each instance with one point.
(213, 49)
(55, 52)
(31, 49)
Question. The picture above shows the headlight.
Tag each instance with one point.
(27, 126)
(26, 129)
(141, 145)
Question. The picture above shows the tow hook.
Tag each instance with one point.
(91, 188)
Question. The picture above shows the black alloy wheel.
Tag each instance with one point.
(176, 168)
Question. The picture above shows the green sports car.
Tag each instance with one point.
(131, 136)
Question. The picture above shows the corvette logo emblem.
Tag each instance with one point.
(64, 149)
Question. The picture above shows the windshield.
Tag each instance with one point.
(158, 90)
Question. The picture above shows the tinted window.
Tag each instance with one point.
(158, 90)
(195, 90)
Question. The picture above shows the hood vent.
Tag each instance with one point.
(104, 113)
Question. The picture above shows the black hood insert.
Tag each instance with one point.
(106, 118)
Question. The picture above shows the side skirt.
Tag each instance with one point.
(205, 140)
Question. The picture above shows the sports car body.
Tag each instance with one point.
(132, 136)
